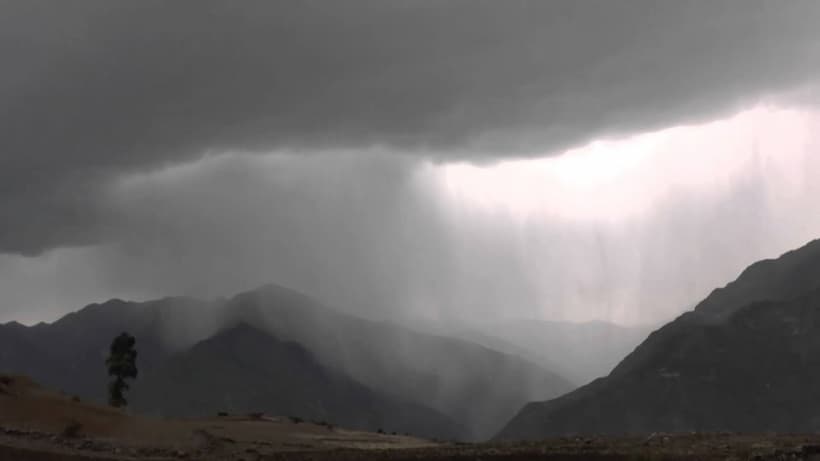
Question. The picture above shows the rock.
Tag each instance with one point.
(810, 449)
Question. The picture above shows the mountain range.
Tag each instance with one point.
(746, 359)
(300, 359)
(243, 368)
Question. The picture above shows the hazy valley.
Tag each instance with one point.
(744, 360)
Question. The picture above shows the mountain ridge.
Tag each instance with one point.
(244, 370)
(477, 387)
(743, 360)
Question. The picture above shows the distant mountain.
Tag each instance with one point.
(476, 387)
(243, 370)
(580, 352)
(69, 354)
(746, 359)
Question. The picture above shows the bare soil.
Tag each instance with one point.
(39, 425)
(44, 424)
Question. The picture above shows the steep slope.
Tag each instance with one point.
(243, 370)
(746, 359)
(793, 273)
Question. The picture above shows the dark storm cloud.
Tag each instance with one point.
(365, 233)
(93, 90)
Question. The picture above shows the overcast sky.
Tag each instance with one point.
(445, 160)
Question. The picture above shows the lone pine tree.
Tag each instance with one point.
(122, 365)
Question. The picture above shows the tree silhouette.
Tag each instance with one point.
(122, 364)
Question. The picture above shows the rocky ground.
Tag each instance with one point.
(251, 440)
(37, 424)
(349, 446)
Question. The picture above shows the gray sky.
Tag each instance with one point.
(359, 151)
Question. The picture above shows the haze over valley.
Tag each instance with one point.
(412, 230)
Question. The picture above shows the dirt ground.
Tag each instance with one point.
(39, 425)
(35, 419)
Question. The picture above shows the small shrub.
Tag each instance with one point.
(256, 415)
(324, 423)
(75, 398)
(5, 381)
(72, 430)
(295, 419)
(380, 431)
(222, 413)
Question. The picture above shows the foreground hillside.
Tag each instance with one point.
(39, 425)
(430, 385)
(36, 423)
(746, 359)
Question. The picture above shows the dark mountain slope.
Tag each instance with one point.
(476, 386)
(747, 359)
(23, 355)
(793, 273)
(69, 354)
(243, 370)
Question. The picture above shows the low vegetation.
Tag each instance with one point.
(72, 430)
